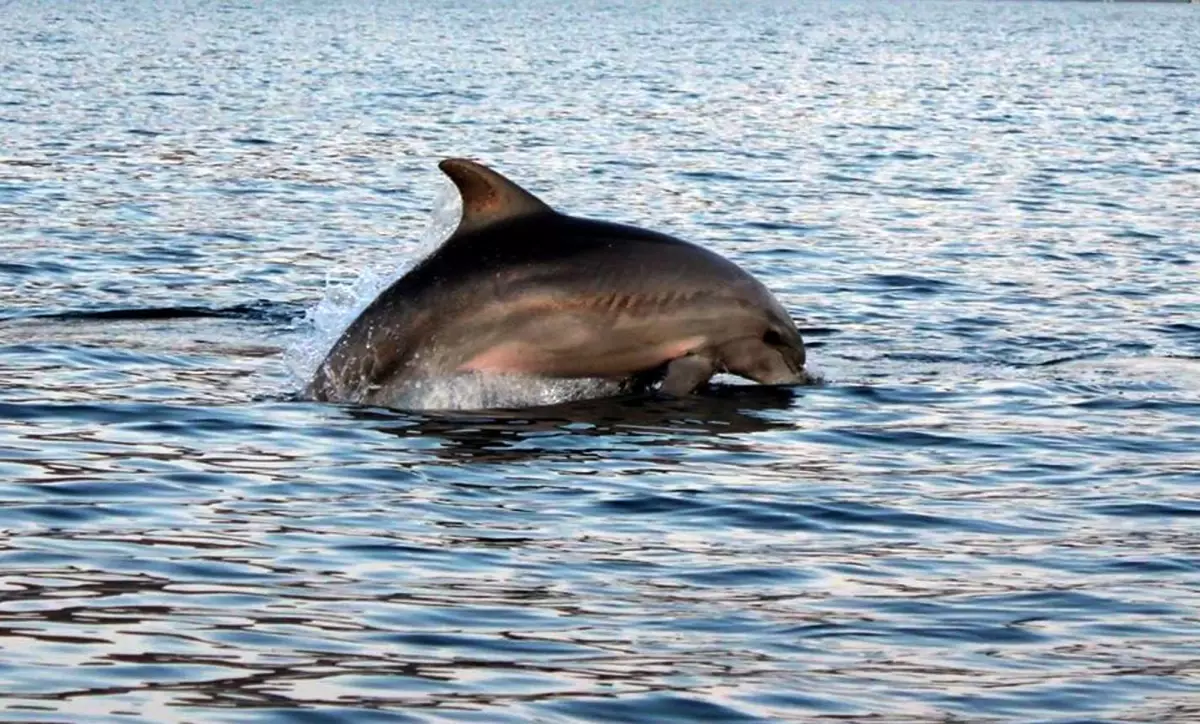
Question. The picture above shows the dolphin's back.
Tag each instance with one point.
(565, 250)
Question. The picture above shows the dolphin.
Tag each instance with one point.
(520, 289)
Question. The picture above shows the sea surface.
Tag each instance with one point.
(985, 216)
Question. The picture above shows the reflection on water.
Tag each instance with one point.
(712, 419)
(982, 215)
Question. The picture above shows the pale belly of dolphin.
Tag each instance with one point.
(579, 335)
(595, 360)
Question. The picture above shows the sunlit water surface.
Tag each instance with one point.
(986, 216)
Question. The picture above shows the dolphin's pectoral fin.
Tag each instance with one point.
(488, 197)
(685, 374)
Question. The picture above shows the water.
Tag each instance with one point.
(985, 215)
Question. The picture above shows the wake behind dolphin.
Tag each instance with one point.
(520, 291)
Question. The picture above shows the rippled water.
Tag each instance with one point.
(985, 215)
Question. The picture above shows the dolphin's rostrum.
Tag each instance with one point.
(521, 289)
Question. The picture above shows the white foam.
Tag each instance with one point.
(342, 303)
(490, 392)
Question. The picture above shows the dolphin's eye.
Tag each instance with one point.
(772, 338)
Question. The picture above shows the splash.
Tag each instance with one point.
(492, 392)
(323, 324)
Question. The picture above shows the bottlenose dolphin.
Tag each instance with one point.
(520, 289)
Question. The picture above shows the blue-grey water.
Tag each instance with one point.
(984, 215)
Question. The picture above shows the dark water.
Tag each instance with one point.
(987, 215)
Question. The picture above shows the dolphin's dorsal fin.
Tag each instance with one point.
(487, 197)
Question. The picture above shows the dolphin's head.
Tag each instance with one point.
(773, 356)
(783, 341)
